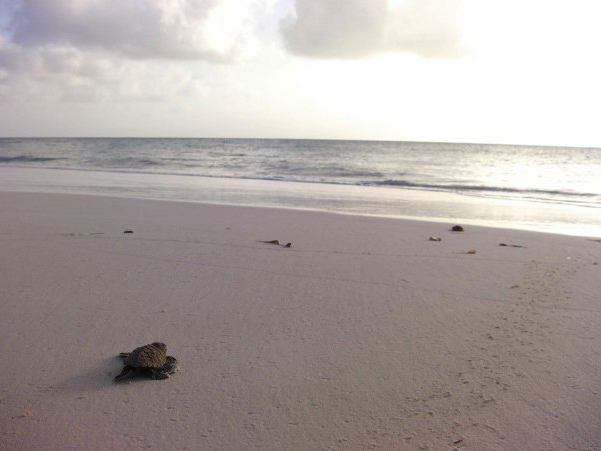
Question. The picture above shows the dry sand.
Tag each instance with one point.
(363, 335)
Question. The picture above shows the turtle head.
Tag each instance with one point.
(159, 345)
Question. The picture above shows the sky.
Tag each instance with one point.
(485, 71)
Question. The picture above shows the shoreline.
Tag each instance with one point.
(363, 334)
(441, 221)
(369, 201)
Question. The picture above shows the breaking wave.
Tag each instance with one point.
(27, 159)
(473, 188)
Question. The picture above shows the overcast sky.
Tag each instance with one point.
(505, 71)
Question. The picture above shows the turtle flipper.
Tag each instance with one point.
(171, 366)
(163, 373)
(124, 355)
(158, 374)
(125, 374)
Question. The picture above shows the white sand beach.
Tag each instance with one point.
(362, 335)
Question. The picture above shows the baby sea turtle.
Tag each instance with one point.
(149, 360)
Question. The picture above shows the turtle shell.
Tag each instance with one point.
(149, 356)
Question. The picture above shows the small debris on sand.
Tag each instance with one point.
(128, 231)
(434, 238)
(276, 242)
(471, 251)
(511, 245)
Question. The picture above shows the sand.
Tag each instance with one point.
(363, 335)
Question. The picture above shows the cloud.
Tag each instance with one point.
(147, 29)
(66, 74)
(105, 50)
(359, 28)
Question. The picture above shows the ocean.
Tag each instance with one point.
(552, 189)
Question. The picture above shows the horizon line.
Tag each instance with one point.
(476, 143)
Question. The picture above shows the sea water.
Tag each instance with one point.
(556, 189)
